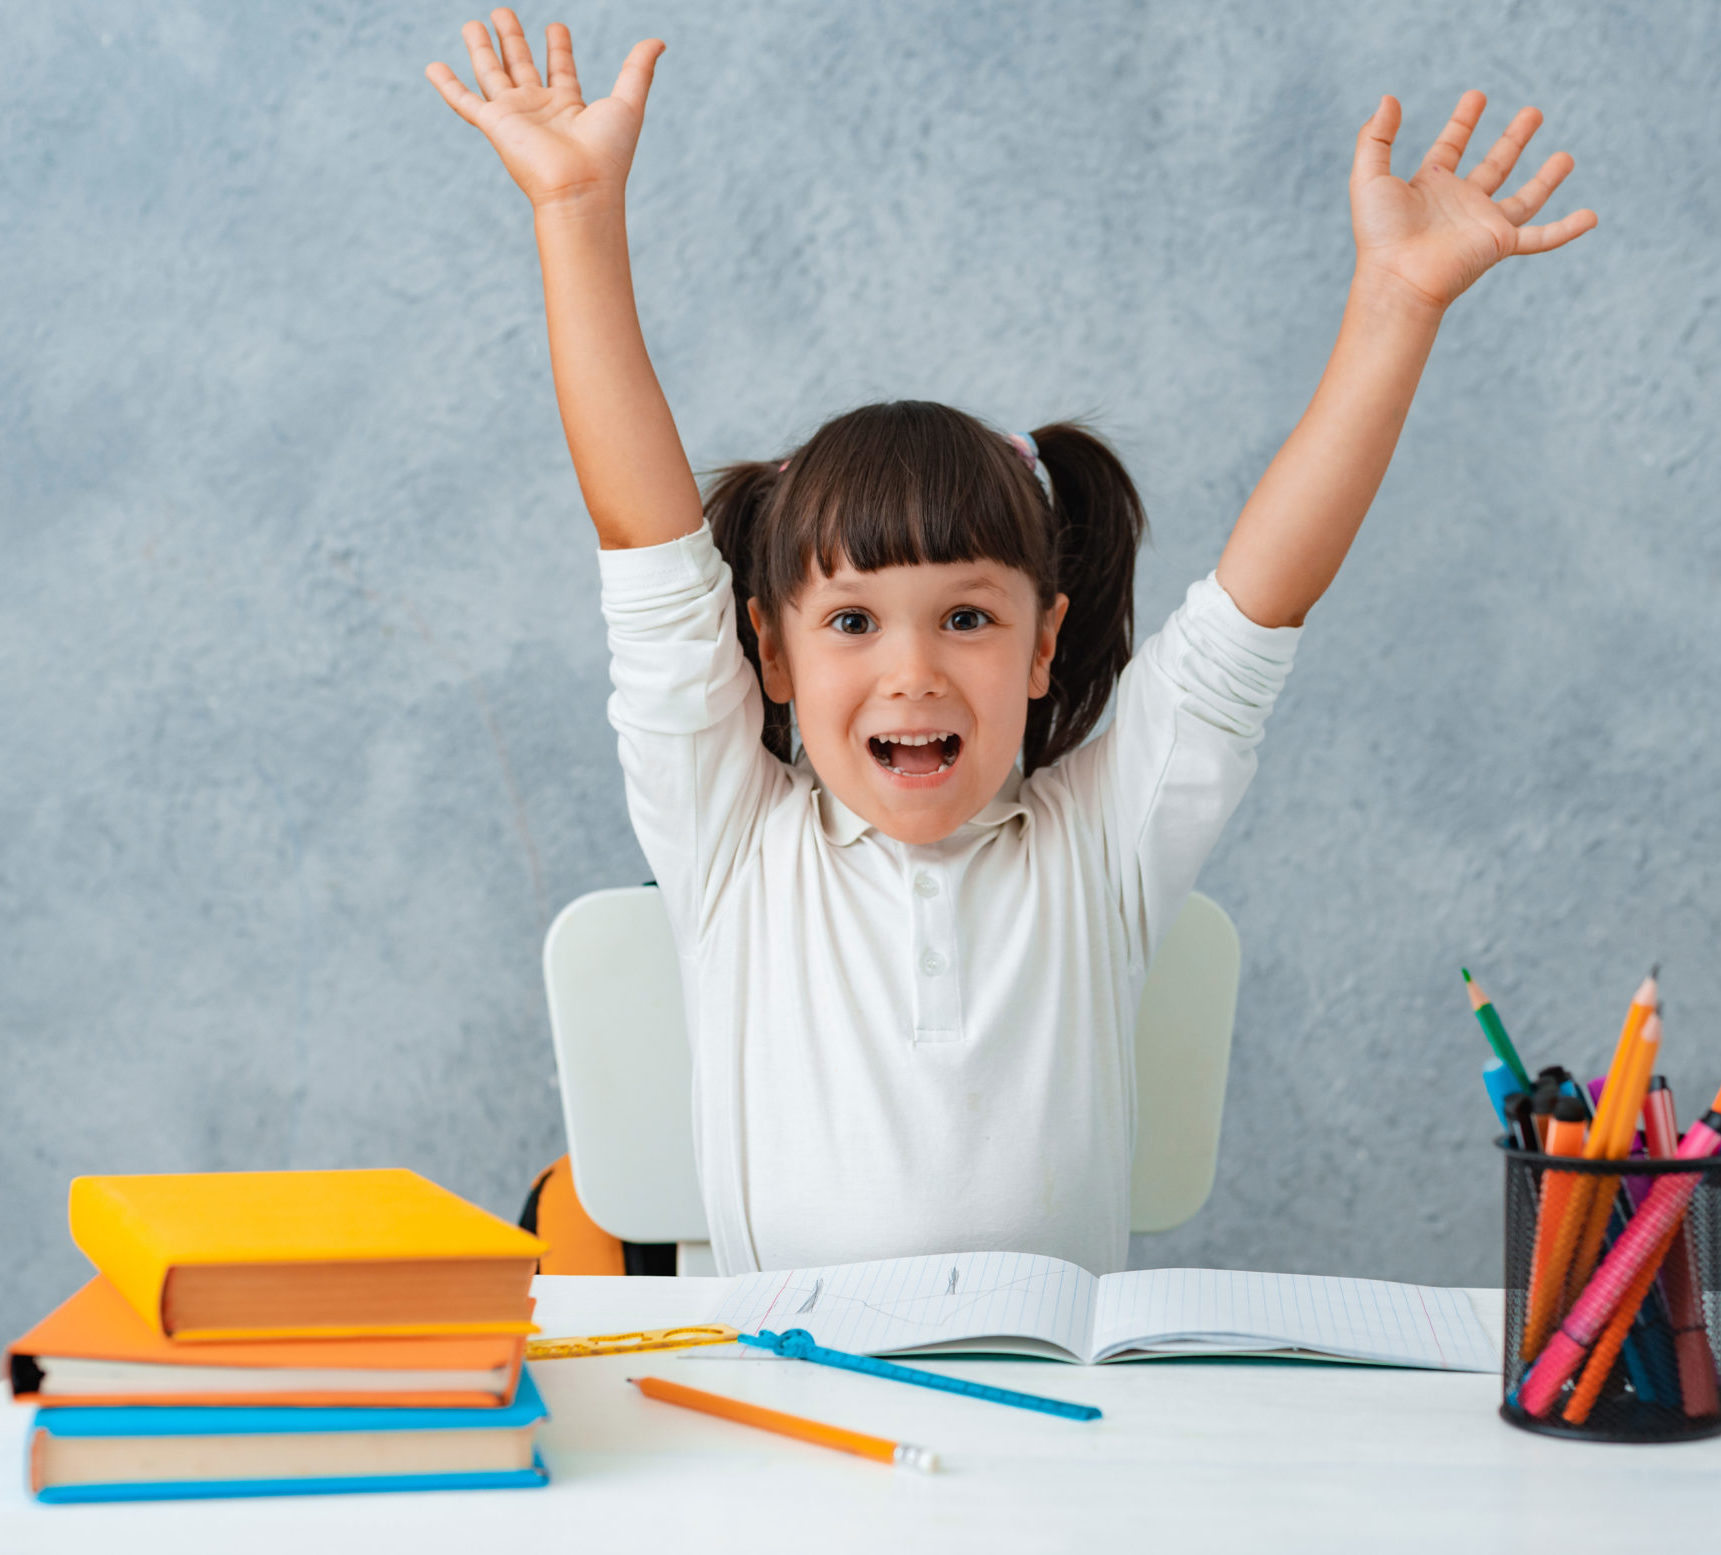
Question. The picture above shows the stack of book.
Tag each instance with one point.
(283, 1333)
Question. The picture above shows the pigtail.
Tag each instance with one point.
(1099, 522)
(734, 507)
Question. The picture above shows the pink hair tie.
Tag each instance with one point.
(1024, 444)
(783, 466)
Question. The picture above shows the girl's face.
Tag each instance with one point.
(953, 649)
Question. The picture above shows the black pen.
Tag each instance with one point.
(1518, 1114)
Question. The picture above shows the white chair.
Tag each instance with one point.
(614, 989)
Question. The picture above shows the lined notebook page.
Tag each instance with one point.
(904, 1303)
(1196, 1310)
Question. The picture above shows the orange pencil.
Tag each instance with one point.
(1644, 1003)
(1572, 1225)
(1621, 1123)
(903, 1454)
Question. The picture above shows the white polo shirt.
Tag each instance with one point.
(917, 1048)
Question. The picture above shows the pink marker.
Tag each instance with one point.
(1678, 1276)
(1667, 1201)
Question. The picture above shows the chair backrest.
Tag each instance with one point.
(1182, 1055)
(614, 986)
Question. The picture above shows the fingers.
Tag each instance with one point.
(515, 49)
(1538, 240)
(1491, 171)
(559, 59)
(495, 78)
(492, 79)
(1520, 207)
(1374, 142)
(634, 81)
(1449, 144)
(455, 92)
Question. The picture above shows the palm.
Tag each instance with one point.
(1439, 232)
(554, 144)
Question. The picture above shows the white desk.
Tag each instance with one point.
(1192, 1455)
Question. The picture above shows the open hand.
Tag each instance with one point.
(1437, 233)
(556, 147)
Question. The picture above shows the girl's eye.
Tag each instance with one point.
(860, 615)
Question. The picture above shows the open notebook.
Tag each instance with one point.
(1016, 1303)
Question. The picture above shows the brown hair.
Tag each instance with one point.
(911, 481)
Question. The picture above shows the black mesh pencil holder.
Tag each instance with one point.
(1644, 1375)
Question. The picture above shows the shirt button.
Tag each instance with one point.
(925, 885)
(932, 963)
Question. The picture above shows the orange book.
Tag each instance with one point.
(207, 1256)
(94, 1349)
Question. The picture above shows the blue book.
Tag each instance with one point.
(144, 1453)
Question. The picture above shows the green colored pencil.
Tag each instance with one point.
(1494, 1031)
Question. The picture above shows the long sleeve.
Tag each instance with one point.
(1168, 773)
(688, 711)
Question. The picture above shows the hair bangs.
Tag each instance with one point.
(902, 485)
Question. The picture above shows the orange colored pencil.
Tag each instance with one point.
(1620, 1124)
(1644, 1004)
(876, 1447)
(1572, 1225)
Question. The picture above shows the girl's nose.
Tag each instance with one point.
(915, 667)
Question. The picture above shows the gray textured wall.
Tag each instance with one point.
(302, 737)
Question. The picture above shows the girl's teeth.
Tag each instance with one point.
(943, 766)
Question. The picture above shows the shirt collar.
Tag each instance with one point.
(842, 826)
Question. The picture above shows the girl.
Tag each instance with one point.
(910, 967)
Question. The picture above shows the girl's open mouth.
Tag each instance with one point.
(921, 759)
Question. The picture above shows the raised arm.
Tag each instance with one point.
(1419, 245)
(571, 160)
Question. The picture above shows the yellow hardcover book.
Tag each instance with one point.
(305, 1255)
